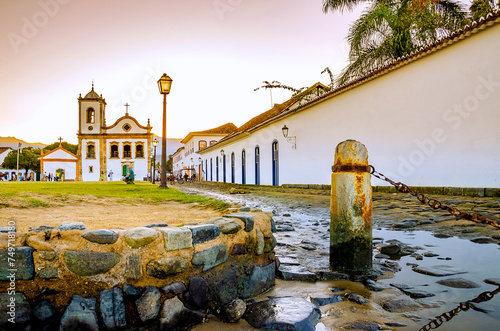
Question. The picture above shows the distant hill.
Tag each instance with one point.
(13, 142)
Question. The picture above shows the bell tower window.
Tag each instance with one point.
(90, 115)
(90, 151)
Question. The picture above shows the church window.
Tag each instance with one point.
(127, 150)
(212, 142)
(91, 169)
(90, 151)
(114, 151)
(139, 150)
(127, 127)
(90, 115)
(202, 144)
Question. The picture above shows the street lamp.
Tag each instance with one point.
(155, 144)
(164, 84)
(291, 139)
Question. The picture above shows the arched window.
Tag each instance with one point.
(212, 142)
(275, 164)
(257, 165)
(202, 144)
(243, 166)
(139, 150)
(114, 151)
(127, 151)
(90, 115)
(90, 151)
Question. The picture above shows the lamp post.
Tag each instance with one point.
(155, 144)
(164, 84)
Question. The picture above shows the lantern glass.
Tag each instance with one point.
(285, 131)
(164, 84)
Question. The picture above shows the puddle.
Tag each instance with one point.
(311, 224)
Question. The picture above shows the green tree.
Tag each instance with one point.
(481, 8)
(29, 159)
(388, 30)
(69, 147)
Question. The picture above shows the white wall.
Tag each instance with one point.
(433, 122)
(86, 163)
(50, 167)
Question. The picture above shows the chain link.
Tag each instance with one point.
(435, 204)
(462, 306)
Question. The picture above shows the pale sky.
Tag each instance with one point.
(216, 52)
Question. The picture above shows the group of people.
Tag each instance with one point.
(51, 178)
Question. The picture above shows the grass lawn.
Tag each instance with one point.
(144, 191)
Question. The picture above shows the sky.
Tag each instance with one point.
(216, 51)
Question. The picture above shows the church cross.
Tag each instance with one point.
(126, 108)
(60, 140)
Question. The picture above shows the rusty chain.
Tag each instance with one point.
(433, 203)
(462, 306)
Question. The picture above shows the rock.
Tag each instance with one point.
(44, 310)
(148, 305)
(23, 263)
(483, 240)
(21, 310)
(269, 244)
(72, 226)
(223, 290)
(245, 209)
(395, 324)
(140, 237)
(283, 314)
(374, 286)
(441, 235)
(493, 281)
(90, 263)
(198, 292)
(331, 275)
(174, 288)
(228, 226)
(41, 228)
(47, 255)
(414, 293)
(273, 226)
(401, 304)
(389, 249)
(175, 316)
(80, 315)
(131, 290)
(327, 300)
(204, 233)
(7, 229)
(177, 238)
(298, 273)
(259, 281)
(211, 257)
(133, 266)
(429, 254)
(101, 236)
(363, 325)
(406, 224)
(233, 311)
(355, 298)
(259, 249)
(166, 266)
(247, 219)
(381, 256)
(417, 256)
(112, 308)
(439, 270)
(284, 228)
(458, 283)
(239, 249)
(156, 225)
(48, 273)
(234, 190)
(286, 215)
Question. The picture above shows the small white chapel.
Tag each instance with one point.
(105, 152)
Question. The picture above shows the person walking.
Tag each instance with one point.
(110, 175)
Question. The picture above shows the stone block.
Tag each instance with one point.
(223, 290)
(80, 315)
(452, 191)
(20, 263)
(140, 237)
(259, 249)
(211, 257)
(166, 266)
(149, 304)
(101, 236)
(239, 249)
(198, 292)
(48, 273)
(269, 244)
(247, 219)
(492, 192)
(72, 226)
(90, 263)
(22, 309)
(133, 266)
(177, 238)
(47, 255)
(112, 308)
(259, 281)
(473, 191)
(204, 233)
(44, 310)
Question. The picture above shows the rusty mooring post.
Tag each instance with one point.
(351, 209)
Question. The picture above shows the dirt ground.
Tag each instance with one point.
(98, 213)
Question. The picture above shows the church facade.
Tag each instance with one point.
(105, 152)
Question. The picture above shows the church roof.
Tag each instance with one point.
(92, 95)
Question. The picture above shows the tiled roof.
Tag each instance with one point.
(3, 149)
(227, 128)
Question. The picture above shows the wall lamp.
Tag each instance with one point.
(199, 159)
(291, 139)
(222, 152)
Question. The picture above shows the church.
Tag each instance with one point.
(105, 152)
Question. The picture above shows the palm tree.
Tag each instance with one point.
(390, 29)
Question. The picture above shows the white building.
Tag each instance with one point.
(5, 174)
(431, 118)
(59, 162)
(104, 149)
(187, 160)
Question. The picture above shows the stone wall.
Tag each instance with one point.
(154, 275)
